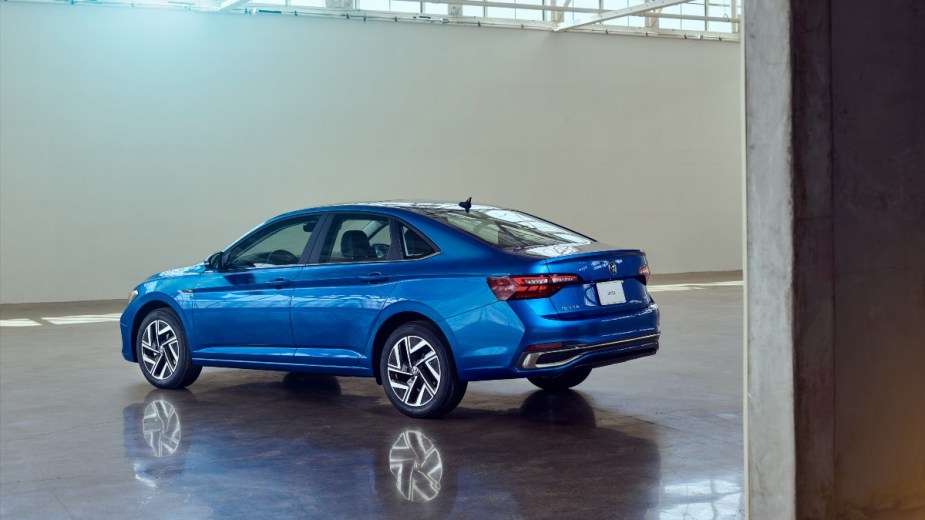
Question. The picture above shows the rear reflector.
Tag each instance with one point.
(528, 287)
(544, 346)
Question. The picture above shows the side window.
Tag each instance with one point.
(413, 245)
(280, 244)
(357, 238)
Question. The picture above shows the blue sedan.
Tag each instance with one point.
(423, 296)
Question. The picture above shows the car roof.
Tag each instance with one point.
(392, 207)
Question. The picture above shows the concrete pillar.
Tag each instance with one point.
(835, 197)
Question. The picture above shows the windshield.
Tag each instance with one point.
(506, 228)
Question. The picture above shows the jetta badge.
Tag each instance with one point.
(613, 268)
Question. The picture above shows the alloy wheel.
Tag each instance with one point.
(160, 349)
(414, 371)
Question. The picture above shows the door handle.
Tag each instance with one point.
(279, 283)
(373, 277)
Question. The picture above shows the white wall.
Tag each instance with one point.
(136, 140)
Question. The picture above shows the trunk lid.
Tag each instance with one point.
(611, 281)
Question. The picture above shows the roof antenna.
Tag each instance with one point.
(466, 204)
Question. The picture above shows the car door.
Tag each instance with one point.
(241, 311)
(339, 295)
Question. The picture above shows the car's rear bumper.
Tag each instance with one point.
(498, 341)
(590, 354)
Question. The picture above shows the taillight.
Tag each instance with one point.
(528, 287)
(644, 273)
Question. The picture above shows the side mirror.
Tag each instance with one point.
(215, 261)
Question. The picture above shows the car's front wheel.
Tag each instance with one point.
(418, 374)
(565, 381)
(163, 352)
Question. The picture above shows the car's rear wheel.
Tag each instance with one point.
(163, 352)
(418, 373)
(565, 381)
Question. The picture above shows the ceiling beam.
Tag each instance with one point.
(620, 13)
(695, 17)
(478, 3)
(536, 7)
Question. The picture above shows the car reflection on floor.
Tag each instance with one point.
(416, 464)
(305, 447)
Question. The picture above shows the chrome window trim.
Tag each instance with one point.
(245, 269)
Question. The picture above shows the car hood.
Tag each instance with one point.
(175, 273)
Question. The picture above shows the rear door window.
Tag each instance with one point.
(357, 238)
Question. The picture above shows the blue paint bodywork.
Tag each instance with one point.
(327, 319)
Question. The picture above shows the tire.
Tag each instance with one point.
(565, 381)
(163, 352)
(418, 373)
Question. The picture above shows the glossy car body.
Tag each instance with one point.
(327, 315)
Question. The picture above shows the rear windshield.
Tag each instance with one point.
(506, 228)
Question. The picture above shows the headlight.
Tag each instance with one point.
(132, 295)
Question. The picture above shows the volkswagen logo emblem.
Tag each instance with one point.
(613, 268)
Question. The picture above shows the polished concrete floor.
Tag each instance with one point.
(82, 435)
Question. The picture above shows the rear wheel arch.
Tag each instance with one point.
(397, 320)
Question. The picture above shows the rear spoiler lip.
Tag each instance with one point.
(614, 253)
(572, 251)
